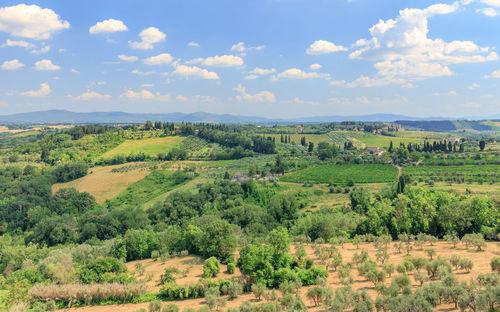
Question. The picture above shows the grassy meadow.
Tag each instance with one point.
(150, 146)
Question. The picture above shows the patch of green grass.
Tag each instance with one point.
(485, 173)
(156, 183)
(150, 146)
(384, 141)
(342, 174)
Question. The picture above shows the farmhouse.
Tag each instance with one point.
(375, 150)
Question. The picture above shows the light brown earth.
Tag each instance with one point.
(481, 262)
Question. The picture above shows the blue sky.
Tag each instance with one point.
(271, 58)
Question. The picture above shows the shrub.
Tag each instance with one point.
(466, 264)
(155, 306)
(99, 269)
(88, 294)
(231, 267)
(211, 267)
(170, 308)
(258, 290)
(495, 264)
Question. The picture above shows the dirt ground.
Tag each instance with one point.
(194, 265)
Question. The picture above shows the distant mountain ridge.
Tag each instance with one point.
(68, 117)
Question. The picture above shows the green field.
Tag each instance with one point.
(486, 173)
(147, 189)
(368, 139)
(341, 174)
(150, 146)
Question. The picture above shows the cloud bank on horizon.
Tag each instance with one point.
(266, 58)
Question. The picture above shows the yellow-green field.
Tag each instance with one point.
(368, 139)
(315, 138)
(104, 184)
(150, 146)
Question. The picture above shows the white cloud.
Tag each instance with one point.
(262, 71)
(474, 86)
(74, 70)
(46, 65)
(146, 95)
(241, 48)
(324, 47)
(295, 73)
(251, 77)
(263, 96)
(43, 91)
(160, 59)
(12, 65)
(495, 74)
(495, 3)
(223, 61)
(18, 43)
(42, 50)
(193, 44)
(128, 58)
(91, 95)
(141, 73)
(149, 37)
(108, 26)
(194, 71)
(30, 21)
(196, 99)
(490, 12)
(403, 51)
(451, 92)
(315, 66)
(299, 101)
(147, 85)
(337, 83)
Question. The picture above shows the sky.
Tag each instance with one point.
(268, 58)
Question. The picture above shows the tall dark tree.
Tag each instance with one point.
(482, 145)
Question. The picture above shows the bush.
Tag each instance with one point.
(170, 308)
(495, 264)
(259, 289)
(99, 269)
(88, 294)
(155, 306)
(231, 267)
(211, 267)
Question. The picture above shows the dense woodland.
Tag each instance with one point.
(54, 239)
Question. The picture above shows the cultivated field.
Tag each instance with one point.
(103, 183)
(470, 173)
(342, 174)
(191, 268)
(150, 146)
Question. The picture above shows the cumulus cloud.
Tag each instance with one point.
(495, 3)
(324, 47)
(12, 65)
(315, 66)
(474, 86)
(193, 44)
(46, 65)
(295, 73)
(108, 26)
(242, 48)
(30, 21)
(403, 52)
(490, 12)
(195, 98)
(160, 59)
(263, 96)
(42, 50)
(146, 95)
(194, 71)
(149, 37)
(495, 74)
(92, 95)
(262, 71)
(223, 61)
(128, 58)
(141, 73)
(18, 43)
(43, 91)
